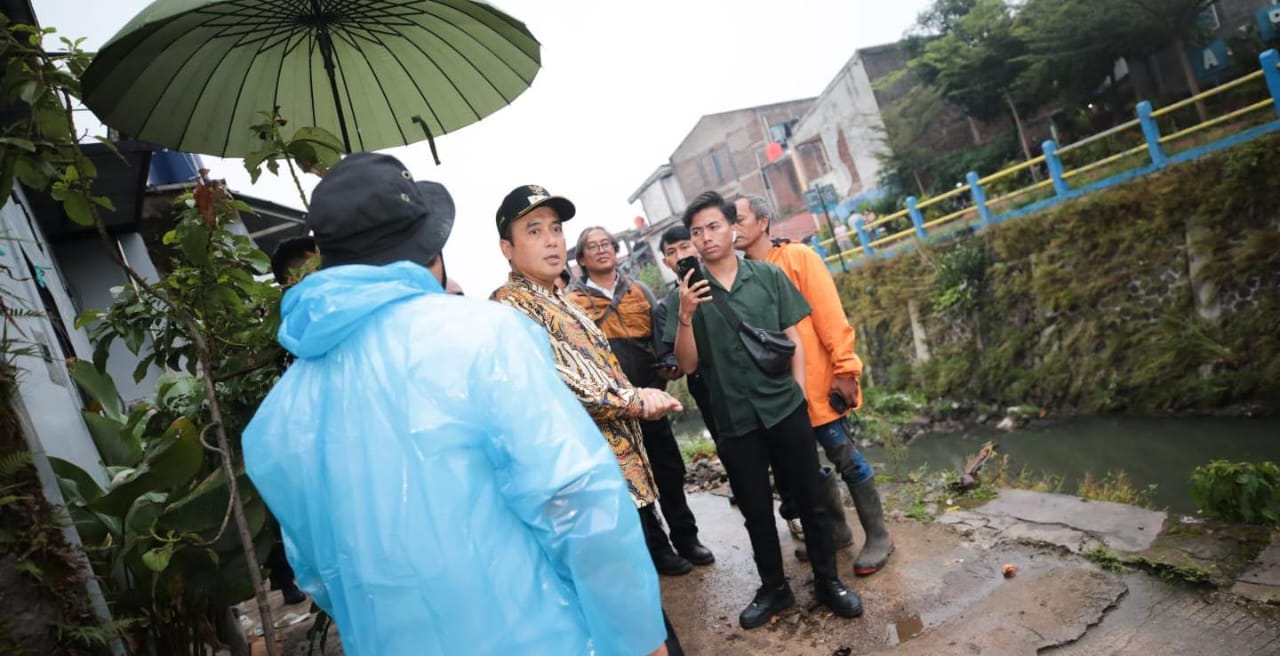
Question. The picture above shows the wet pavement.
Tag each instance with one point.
(943, 593)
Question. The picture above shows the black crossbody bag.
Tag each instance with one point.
(771, 350)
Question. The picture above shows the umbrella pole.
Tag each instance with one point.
(326, 53)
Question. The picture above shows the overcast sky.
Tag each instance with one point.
(621, 85)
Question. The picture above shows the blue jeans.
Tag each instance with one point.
(843, 453)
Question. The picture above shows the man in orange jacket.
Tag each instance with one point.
(832, 371)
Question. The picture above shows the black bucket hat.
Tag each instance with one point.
(369, 210)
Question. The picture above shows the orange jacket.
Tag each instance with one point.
(826, 335)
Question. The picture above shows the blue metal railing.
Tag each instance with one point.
(1064, 183)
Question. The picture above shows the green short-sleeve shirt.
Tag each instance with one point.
(743, 398)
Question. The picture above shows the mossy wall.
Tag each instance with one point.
(1092, 305)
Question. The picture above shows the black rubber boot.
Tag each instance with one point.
(875, 552)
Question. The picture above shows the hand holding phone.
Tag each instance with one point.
(684, 266)
(694, 288)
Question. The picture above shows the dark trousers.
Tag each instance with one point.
(668, 472)
(647, 517)
(702, 398)
(278, 570)
(790, 450)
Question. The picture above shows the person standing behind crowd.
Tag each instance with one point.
(439, 490)
(676, 245)
(831, 369)
(762, 419)
(530, 236)
(624, 309)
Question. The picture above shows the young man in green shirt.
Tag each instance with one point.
(762, 420)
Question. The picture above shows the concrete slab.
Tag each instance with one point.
(1261, 580)
(1068, 521)
(936, 585)
(1158, 618)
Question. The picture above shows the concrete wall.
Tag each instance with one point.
(846, 118)
(90, 277)
(47, 398)
(662, 199)
(725, 152)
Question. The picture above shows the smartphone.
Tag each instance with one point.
(686, 265)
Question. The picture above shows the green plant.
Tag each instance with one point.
(652, 277)
(1115, 487)
(1238, 491)
(208, 316)
(697, 449)
(1108, 559)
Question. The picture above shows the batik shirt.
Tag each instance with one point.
(587, 365)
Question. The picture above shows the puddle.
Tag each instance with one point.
(904, 630)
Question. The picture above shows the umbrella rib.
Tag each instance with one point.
(289, 46)
(482, 44)
(416, 86)
(446, 77)
(392, 110)
(450, 78)
(231, 120)
(467, 59)
(167, 85)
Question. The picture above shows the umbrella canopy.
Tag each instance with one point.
(194, 75)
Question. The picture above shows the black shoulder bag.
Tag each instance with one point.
(771, 350)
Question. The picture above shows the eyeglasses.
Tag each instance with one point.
(597, 245)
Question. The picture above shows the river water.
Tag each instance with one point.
(1159, 451)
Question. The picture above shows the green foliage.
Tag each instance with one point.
(1115, 487)
(979, 62)
(651, 276)
(1238, 491)
(699, 448)
(1089, 306)
(960, 276)
(38, 146)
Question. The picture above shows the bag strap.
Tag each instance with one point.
(624, 285)
(726, 310)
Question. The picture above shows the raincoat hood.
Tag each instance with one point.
(320, 312)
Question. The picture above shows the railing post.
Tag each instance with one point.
(1152, 133)
(1270, 59)
(863, 237)
(979, 199)
(1055, 167)
(917, 219)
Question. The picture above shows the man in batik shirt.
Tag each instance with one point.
(531, 239)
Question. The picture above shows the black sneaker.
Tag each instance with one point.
(669, 563)
(767, 603)
(841, 600)
(696, 553)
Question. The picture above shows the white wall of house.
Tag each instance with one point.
(847, 106)
(47, 398)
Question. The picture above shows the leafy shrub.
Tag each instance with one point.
(1238, 491)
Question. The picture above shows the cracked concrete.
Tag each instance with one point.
(1067, 521)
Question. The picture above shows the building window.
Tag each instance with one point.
(702, 173)
(715, 164)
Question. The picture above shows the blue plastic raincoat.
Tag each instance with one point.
(439, 489)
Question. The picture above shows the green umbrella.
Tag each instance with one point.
(194, 75)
